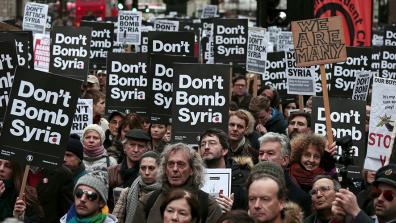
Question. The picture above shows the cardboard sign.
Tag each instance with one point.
(70, 48)
(256, 50)
(275, 72)
(230, 40)
(35, 17)
(389, 36)
(285, 41)
(166, 25)
(127, 83)
(201, 100)
(217, 181)
(161, 73)
(209, 11)
(41, 51)
(38, 118)
(347, 118)
(362, 85)
(83, 116)
(101, 43)
(319, 41)
(8, 64)
(129, 24)
(23, 43)
(172, 43)
(382, 117)
(344, 74)
(300, 80)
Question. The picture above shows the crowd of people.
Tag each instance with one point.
(125, 169)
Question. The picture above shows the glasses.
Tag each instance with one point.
(387, 194)
(92, 196)
(210, 143)
(322, 189)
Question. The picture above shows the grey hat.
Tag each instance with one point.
(97, 180)
(137, 134)
(272, 169)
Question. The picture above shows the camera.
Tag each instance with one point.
(346, 156)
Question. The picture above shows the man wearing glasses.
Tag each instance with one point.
(90, 198)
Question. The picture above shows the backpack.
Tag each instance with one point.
(203, 199)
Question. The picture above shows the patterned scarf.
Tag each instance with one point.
(305, 177)
(72, 217)
(95, 152)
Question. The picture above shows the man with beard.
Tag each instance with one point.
(299, 122)
(213, 148)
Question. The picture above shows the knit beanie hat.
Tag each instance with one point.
(75, 146)
(98, 180)
(272, 169)
(96, 128)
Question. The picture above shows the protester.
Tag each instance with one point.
(10, 183)
(364, 197)
(92, 83)
(102, 78)
(115, 119)
(271, 93)
(180, 206)
(73, 158)
(98, 108)
(157, 133)
(95, 155)
(90, 198)
(240, 95)
(298, 122)
(126, 205)
(181, 167)
(288, 105)
(251, 134)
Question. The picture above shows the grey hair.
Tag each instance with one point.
(336, 184)
(194, 160)
(276, 137)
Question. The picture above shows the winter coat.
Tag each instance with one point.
(101, 162)
(110, 219)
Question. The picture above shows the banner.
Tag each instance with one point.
(8, 64)
(344, 73)
(318, 41)
(256, 50)
(382, 117)
(172, 43)
(41, 51)
(161, 74)
(201, 100)
(356, 18)
(347, 118)
(129, 25)
(35, 17)
(70, 49)
(275, 72)
(23, 43)
(127, 83)
(38, 118)
(82, 117)
(102, 36)
(362, 85)
(300, 80)
(230, 40)
(166, 25)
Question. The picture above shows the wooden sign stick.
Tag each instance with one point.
(255, 79)
(301, 103)
(24, 180)
(326, 104)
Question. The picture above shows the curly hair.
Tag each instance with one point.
(301, 142)
(194, 161)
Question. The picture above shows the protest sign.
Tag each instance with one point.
(35, 17)
(318, 41)
(83, 116)
(172, 43)
(161, 74)
(207, 51)
(230, 40)
(273, 32)
(387, 62)
(256, 50)
(362, 85)
(166, 25)
(8, 64)
(41, 51)
(275, 72)
(389, 36)
(209, 11)
(300, 80)
(201, 100)
(378, 38)
(143, 47)
(285, 41)
(38, 118)
(217, 181)
(101, 43)
(344, 73)
(375, 61)
(127, 83)
(382, 123)
(129, 25)
(347, 118)
(70, 49)
(23, 43)
(357, 17)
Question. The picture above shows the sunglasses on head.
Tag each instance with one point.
(387, 194)
(92, 196)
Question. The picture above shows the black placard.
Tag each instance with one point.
(173, 43)
(24, 46)
(275, 72)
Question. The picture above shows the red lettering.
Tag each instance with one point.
(383, 160)
(387, 141)
(371, 139)
(378, 139)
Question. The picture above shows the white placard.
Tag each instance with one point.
(166, 25)
(362, 85)
(300, 80)
(129, 27)
(83, 116)
(35, 17)
(217, 181)
(256, 50)
(41, 51)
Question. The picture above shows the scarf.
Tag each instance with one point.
(95, 152)
(133, 196)
(305, 177)
(7, 200)
(128, 175)
(72, 217)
